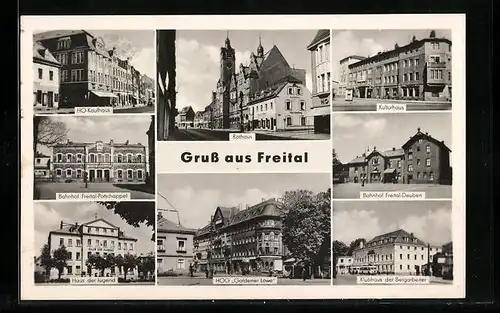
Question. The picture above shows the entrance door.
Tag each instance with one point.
(272, 123)
(106, 175)
(91, 175)
(410, 177)
(50, 99)
(417, 269)
(99, 175)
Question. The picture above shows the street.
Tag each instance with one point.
(352, 279)
(202, 134)
(352, 190)
(137, 109)
(364, 104)
(202, 281)
(48, 190)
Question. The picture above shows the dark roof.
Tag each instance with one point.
(387, 154)
(394, 153)
(274, 90)
(168, 226)
(320, 35)
(425, 136)
(41, 53)
(59, 33)
(394, 237)
(352, 57)
(115, 144)
(411, 45)
(186, 109)
(269, 207)
(40, 155)
(102, 220)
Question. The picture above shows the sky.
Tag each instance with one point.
(354, 133)
(120, 128)
(48, 216)
(198, 58)
(430, 221)
(139, 45)
(196, 196)
(370, 42)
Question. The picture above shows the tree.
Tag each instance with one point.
(340, 248)
(97, 262)
(306, 224)
(129, 262)
(46, 259)
(354, 245)
(413, 39)
(119, 262)
(60, 258)
(48, 131)
(134, 213)
(432, 34)
(147, 264)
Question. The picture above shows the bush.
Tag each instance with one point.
(39, 277)
(123, 280)
(62, 280)
(169, 273)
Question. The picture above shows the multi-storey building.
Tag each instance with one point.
(397, 252)
(150, 178)
(420, 70)
(90, 74)
(343, 265)
(42, 166)
(174, 246)
(148, 89)
(234, 91)
(344, 73)
(46, 77)
(422, 159)
(321, 81)
(113, 162)
(185, 118)
(239, 240)
(95, 237)
(284, 106)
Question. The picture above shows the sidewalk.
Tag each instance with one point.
(300, 134)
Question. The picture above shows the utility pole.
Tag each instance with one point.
(85, 169)
(242, 124)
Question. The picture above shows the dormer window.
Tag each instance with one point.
(290, 91)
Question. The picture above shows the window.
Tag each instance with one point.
(130, 174)
(289, 121)
(428, 162)
(68, 158)
(70, 242)
(70, 270)
(61, 241)
(89, 242)
(78, 255)
(51, 75)
(417, 75)
(119, 158)
(303, 121)
(299, 91)
(78, 243)
(105, 243)
(410, 168)
(290, 91)
(139, 174)
(119, 245)
(418, 161)
(410, 156)
(303, 105)
(131, 246)
(159, 243)
(431, 175)
(408, 256)
(411, 76)
(400, 256)
(288, 105)
(40, 73)
(181, 245)
(68, 172)
(405, 78)
(97, 243)
(181, 264)
(120, 174)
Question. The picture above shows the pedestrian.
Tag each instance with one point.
(304, 274)
(206, 272)
(191, 269)
(362, 182)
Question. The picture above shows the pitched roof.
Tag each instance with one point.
(185, 109)
(43, 54)
(270, 207)
(397, 236)
(274, 90)
(320, 35)
(360, 159)
(426, 136)
(114, 144)
(59, 33)
(168, 226)
(40, 155)
(358, 57)
(393, 153)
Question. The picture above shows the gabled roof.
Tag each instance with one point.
(184, 110)
(399, 236)
(41, 53)
(357, 57)
(360, 159)
(269, 207)
(426, 136)
(80, 144)
(273, 91)
(168, 226)
(394, 153)
(59, 33)
(320, 35)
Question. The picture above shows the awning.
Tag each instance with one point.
(389, 171)
(104, 94)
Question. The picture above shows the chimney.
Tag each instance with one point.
(263, 199)
(61, 225)
(427, 133)
(248, 206)
(418, 129)
(126, 142)
(374, 148)
(442, 141)
(393, 149)
(411, 235)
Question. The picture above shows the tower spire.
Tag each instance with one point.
(260, 49)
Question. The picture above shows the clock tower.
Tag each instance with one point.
(227, 71)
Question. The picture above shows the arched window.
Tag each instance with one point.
(119, 158)
(91, 158)
(139, 158)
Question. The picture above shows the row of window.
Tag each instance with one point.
(45, 98)
(119, 173)
(98, 158)
(181, 245)
(323, 53)
(98, 243)
(40, 74)
(323, 82)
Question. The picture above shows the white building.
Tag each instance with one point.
(397, 252)
(45, 78)
(285, 106)
(344, 74)
(42, 167)
(321, 80)
(344, 264)
(95, 237)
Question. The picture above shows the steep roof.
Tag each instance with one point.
(395, 237)
(320, 35)
(41, 53)
(426, 136)
(270, 207)
(167, 226)
(360, 159)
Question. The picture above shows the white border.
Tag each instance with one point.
(456, 22)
